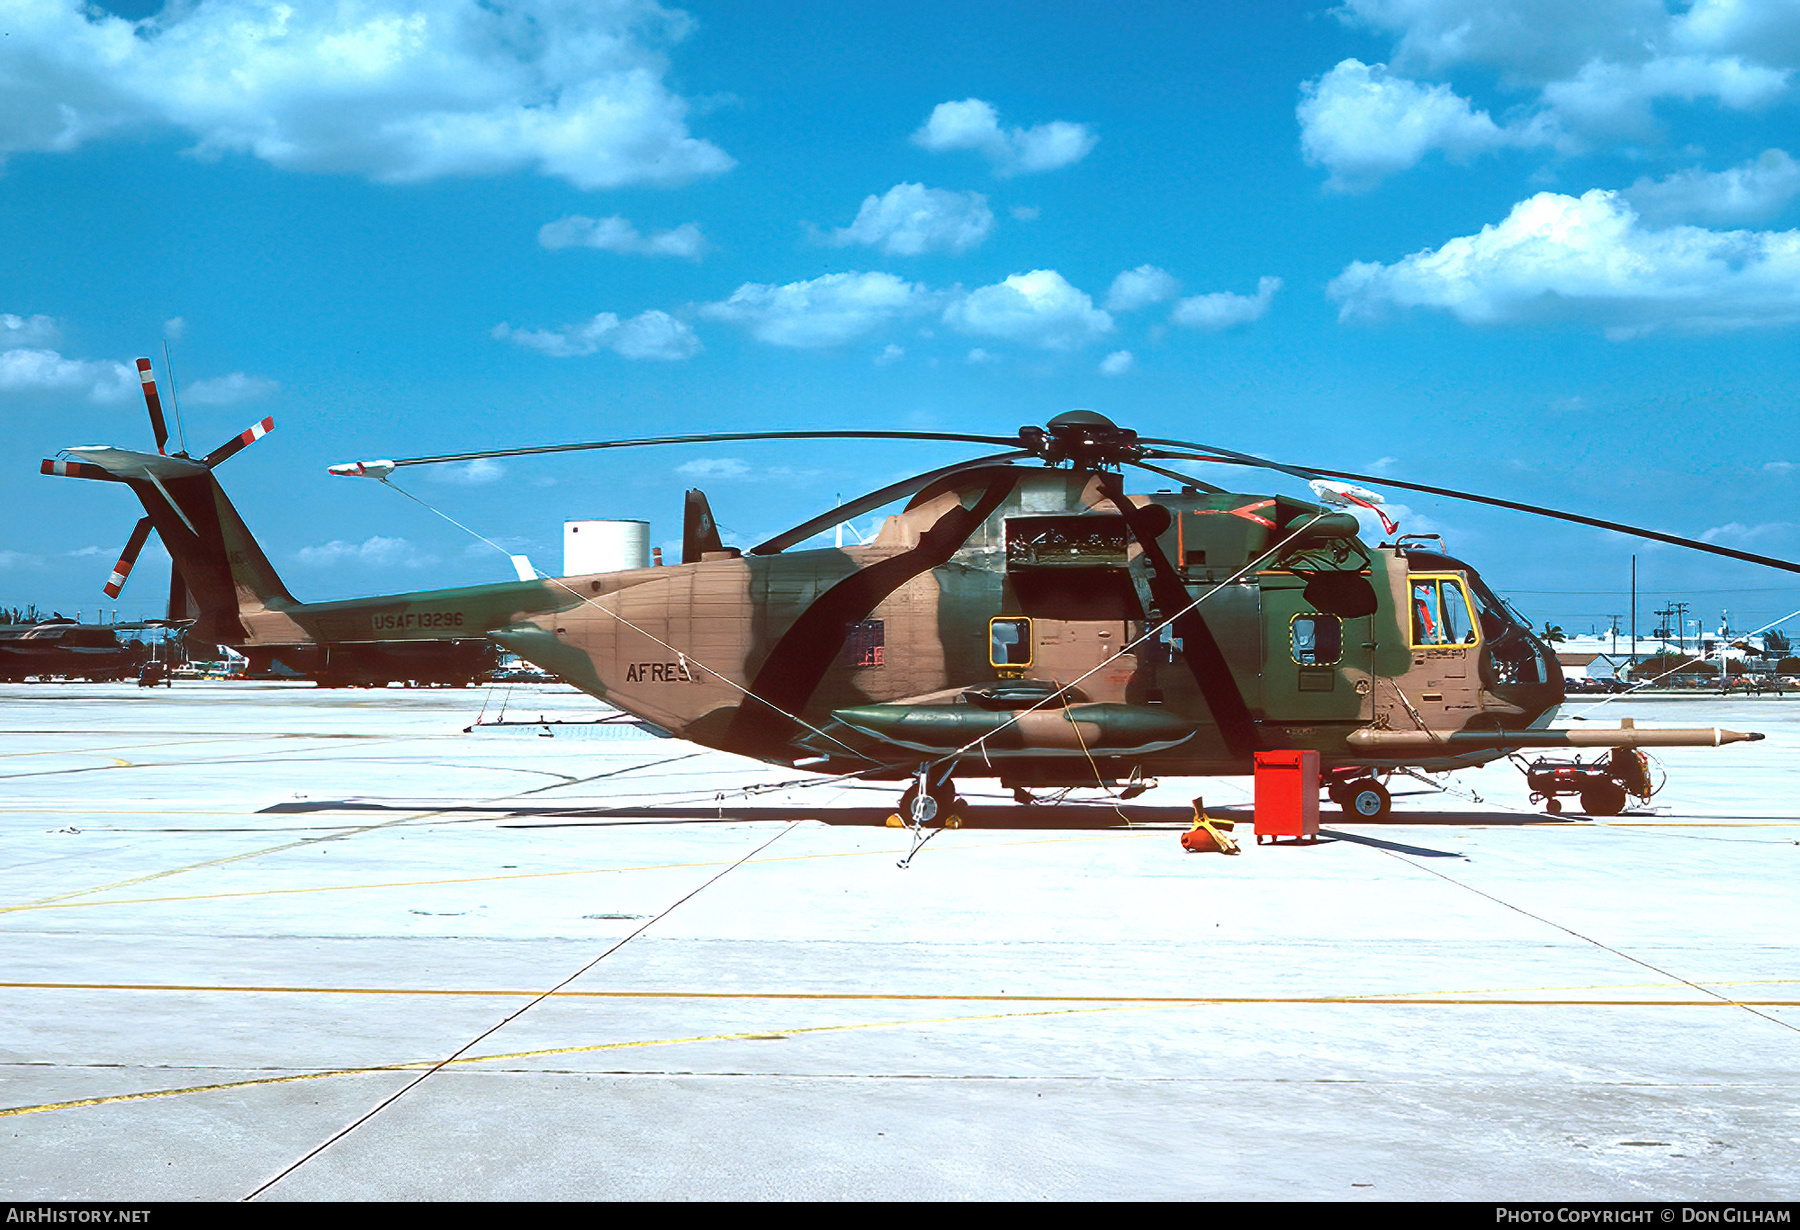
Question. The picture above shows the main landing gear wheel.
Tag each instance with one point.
(1364, 800)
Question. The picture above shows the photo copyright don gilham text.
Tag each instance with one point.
(1645, 1215)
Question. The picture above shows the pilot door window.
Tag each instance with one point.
(1009, 642)
(1441, 614)
(1316, 640)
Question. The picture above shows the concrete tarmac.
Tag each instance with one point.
(272, 941)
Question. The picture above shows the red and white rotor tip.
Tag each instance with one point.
(363, 469)
(1343, 495)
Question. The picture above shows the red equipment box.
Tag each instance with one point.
(1287, 795)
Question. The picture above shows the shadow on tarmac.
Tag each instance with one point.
(998, 816)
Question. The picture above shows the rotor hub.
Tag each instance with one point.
(1083, 438)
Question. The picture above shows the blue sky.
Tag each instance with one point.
(1538, 250)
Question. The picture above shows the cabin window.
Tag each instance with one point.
(1316, 640)
(864, 645)
(1009, 642)
(1441, 614)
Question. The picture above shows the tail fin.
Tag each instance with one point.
(222, 567)
(699, 532)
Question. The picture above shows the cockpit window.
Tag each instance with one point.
(1441, 613)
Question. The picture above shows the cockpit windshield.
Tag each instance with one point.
(1494, 612)
(1440, 612)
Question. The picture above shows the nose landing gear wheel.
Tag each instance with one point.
(934, 805)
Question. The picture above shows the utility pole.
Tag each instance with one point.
(1634, 648)
(1677, 610)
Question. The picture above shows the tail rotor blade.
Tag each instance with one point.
(76, 469)
(154, 403)
(122, 570)
(239, 443)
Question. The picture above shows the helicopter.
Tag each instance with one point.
(1023, 618)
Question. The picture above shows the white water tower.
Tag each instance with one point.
(604, 546)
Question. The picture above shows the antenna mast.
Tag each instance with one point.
(174, 401)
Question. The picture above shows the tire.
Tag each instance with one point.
(1606, 798)
(940, 802)
(928, 807)
(1366, 800)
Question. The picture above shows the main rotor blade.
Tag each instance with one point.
(154, 403)
(1185, 480)
(140, 533)
(875, 499)
(351, 469)
(1241, 458)
(238, 443)
(1226, 457)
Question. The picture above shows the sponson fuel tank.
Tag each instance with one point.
(1097, 729)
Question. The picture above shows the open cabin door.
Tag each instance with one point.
(1069, 574)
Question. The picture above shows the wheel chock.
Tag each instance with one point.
(1205, 836)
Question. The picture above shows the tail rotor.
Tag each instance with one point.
(119, 465)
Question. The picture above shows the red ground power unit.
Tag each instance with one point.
(1287, 795)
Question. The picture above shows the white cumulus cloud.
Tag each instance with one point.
(46, 371)
(1140, 287)
(649, 335)
(1361, 122)
(714, 467)
(1590, 259)
(1605, 97)
(974, 125)
(617, 234)
(1744, 193)
(1768, 29)
(477, 473)
(824, 311)
(27, 332)
(1117, 363)
(1039, 308)
(228, 390)
(1222, 309)
(395, 90)
(1597, 67)
(375, 551)
(910, 219)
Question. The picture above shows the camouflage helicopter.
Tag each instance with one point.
(1022, 618)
